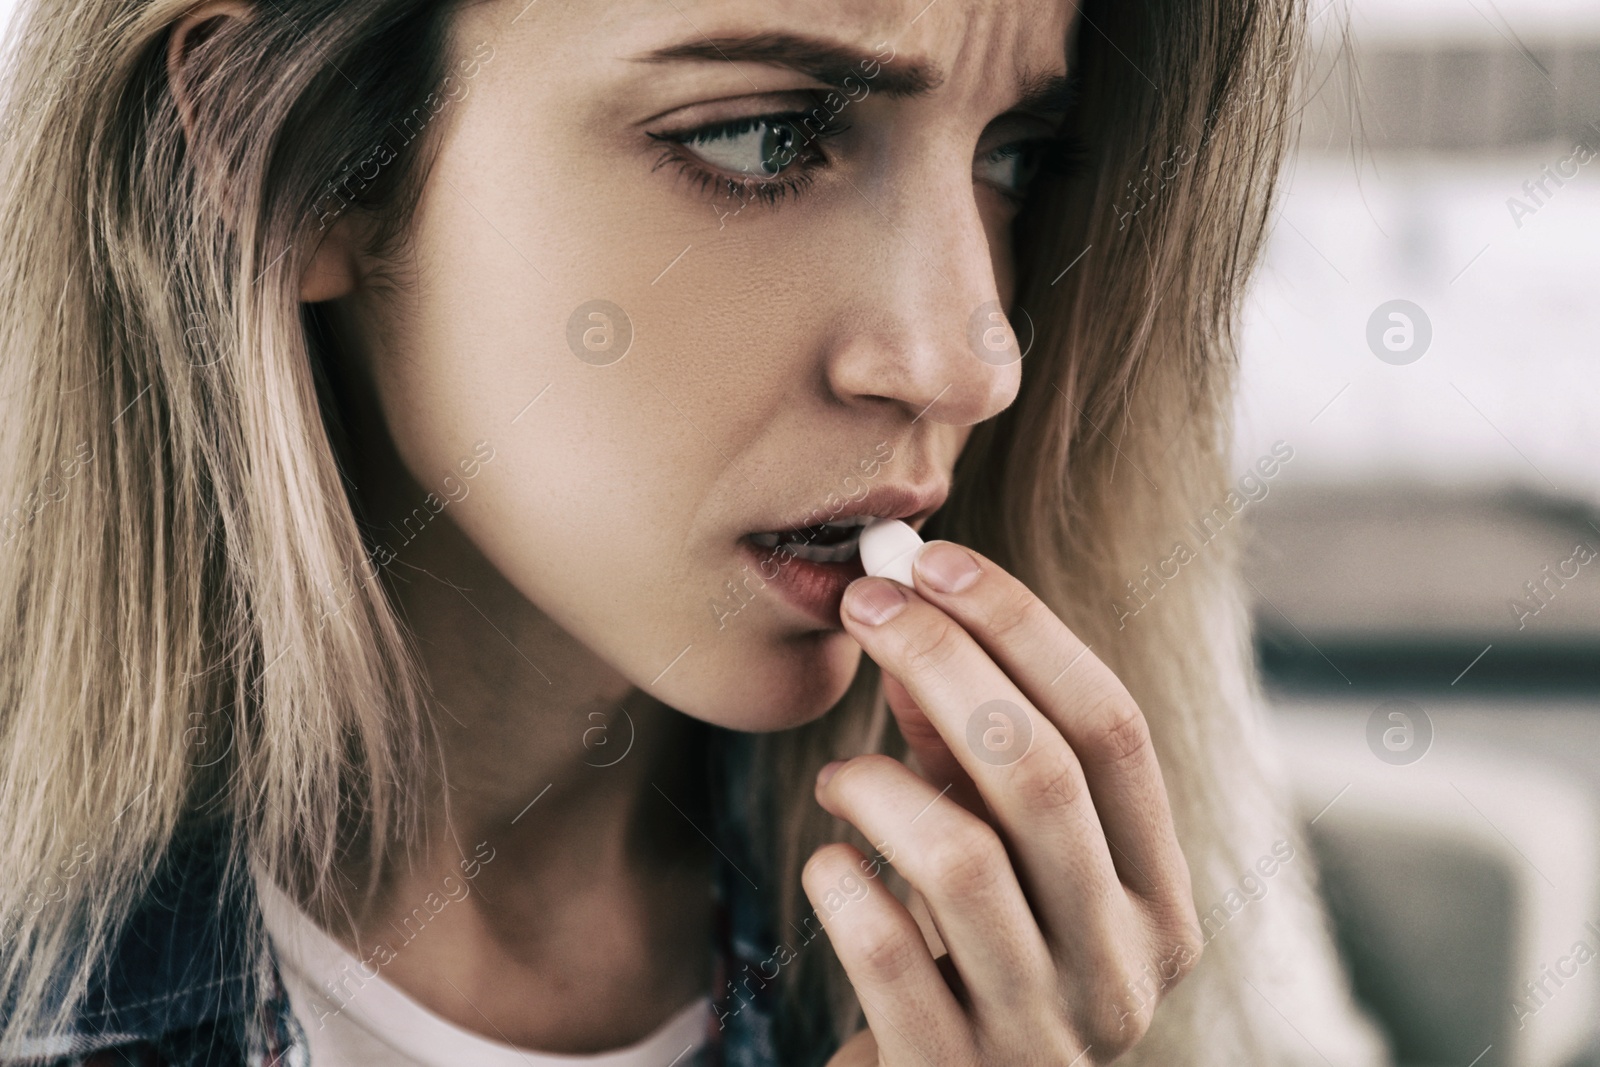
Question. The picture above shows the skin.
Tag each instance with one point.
(774, 350)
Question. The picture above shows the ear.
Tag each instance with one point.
(333, 269)
(194, 27)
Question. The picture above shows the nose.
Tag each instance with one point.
(926, 284)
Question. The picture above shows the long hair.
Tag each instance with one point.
(176, 518)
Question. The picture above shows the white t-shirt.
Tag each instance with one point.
(380, 1025)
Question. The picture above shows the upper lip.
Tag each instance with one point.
(911, 504)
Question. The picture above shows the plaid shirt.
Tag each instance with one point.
(181, 988)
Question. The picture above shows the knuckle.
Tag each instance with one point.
(1115, 1023)
(1121, 733)
(1011, 614)
(1187, 955)
(938, 644)
(1186, 945)
(1121, 1027)
(1172, 917)
(886, 954)
(966, 862)
(1048, 779)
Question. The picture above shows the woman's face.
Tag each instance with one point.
(657, 371)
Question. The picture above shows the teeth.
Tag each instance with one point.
(839, 553)
(836, 553)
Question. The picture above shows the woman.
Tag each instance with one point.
(436, 432)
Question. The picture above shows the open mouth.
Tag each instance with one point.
(827, 542)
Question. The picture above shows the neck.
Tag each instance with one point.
(562, 855)
(559, 895)
(551, 758)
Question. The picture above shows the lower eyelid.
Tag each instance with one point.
(731, 189)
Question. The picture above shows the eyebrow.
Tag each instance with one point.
(834, 62)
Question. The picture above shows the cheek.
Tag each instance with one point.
(613, 498)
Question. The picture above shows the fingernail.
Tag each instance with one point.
(827, 771)
(946, 566)
(874, 601)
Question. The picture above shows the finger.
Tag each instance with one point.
(918, 908)
(1024, 769)
(933, 757)
(912, 1012)
(959, 865)
(1083, 698)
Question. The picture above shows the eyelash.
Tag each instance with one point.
(769, 191)
(1062, 156)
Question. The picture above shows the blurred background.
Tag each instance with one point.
(1426, 565)
(1423, 343)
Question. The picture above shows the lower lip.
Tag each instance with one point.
(816, 589)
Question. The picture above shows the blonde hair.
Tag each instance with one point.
(172, 455)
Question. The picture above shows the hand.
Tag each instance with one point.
(1038, 835)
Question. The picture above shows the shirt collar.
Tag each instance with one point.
(184, 961)
(180, 962)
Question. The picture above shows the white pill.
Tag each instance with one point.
(887, 548)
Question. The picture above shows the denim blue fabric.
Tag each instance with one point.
(181, 989)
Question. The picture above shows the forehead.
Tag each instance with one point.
(991, 52)
(964, 39)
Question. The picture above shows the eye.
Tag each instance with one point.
(1010, 167)
(759, 147)
(767, 156)
(1013, 168)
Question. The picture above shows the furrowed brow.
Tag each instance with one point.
(830, 62)
(1048, 94)
(833, 62)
